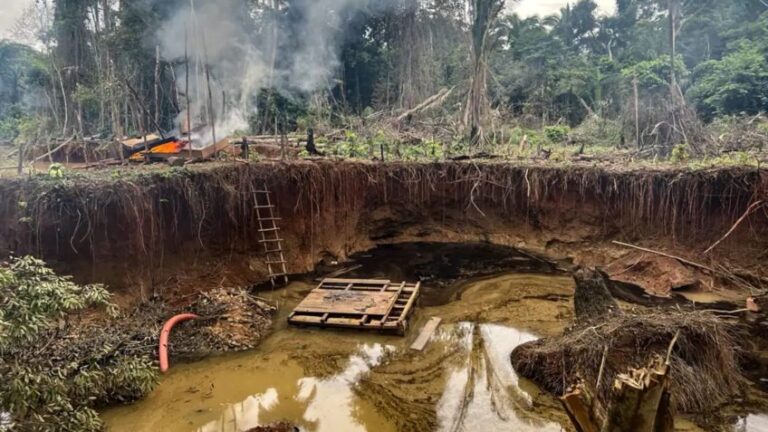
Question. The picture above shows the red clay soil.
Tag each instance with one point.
(169, 232)
(657, 275)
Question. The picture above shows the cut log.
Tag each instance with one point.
(640, 396)
(641, 403)
(579, 405)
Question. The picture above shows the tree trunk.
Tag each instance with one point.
(484, 13)
(673, 11)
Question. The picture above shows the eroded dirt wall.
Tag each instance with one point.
(166, 227)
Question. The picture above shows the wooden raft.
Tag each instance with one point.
(359, 304)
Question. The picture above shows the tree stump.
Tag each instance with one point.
(641, 403)
(592, 299)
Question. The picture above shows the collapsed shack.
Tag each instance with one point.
(704, 370)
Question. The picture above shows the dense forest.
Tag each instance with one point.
(655, 75)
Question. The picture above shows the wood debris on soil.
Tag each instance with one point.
(232, 320)
(704, 358)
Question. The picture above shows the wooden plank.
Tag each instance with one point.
(212, 150)
(357, 281)
(137, 142)
(426, 333)
(346, 302)
(340, 322)
(339, 272)
(397, 295)
(411, 301)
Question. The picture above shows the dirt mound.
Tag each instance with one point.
(657, 275)
(704, 364)
(232, 320)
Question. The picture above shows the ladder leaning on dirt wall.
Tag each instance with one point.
(270, 236)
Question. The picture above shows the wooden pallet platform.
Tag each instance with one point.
(366, 304)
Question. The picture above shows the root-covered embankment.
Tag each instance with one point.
(150, 223)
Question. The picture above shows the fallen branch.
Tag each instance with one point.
(682, 260)
(753, 208)
(428, 103)
(54, 150)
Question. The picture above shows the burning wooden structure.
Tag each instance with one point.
(378, 305)
(154, 148)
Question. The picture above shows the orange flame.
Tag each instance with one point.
(172, 147)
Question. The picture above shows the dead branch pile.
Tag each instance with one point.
(233, 320)
(704, 363)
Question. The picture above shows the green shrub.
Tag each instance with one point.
(680, 154)
(600, 132)
(351, 147)
(558, 133)
(53, 376)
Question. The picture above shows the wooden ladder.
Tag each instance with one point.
(270, 236)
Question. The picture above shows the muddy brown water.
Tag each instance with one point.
(326, 380)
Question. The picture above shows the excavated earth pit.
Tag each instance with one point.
(492, 244)
(326, 380)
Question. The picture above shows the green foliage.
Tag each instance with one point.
(557, 134)
(541, 70)
(34, 297)
(599, 132)
(430, 150)
(276, 110)
(654, 75)
(43, 391)
(352, 147)
(88, 98)
(56, 170)
(737, 84)
(19, 127)
(20, 72)
(680, 154)
(10, 123)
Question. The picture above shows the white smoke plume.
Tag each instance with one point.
(222, 34)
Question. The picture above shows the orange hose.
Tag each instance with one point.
(166, 332)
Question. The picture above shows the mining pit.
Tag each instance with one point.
(493, 245)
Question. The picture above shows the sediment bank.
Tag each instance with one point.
(162, 231)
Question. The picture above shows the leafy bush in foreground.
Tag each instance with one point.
(55, 373)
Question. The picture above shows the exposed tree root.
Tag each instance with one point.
(144, 215)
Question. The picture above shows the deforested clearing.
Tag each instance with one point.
(399, 215)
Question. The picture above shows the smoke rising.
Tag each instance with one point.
(295, 50)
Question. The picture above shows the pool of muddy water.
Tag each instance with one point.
(324, 380)
(338, 381)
